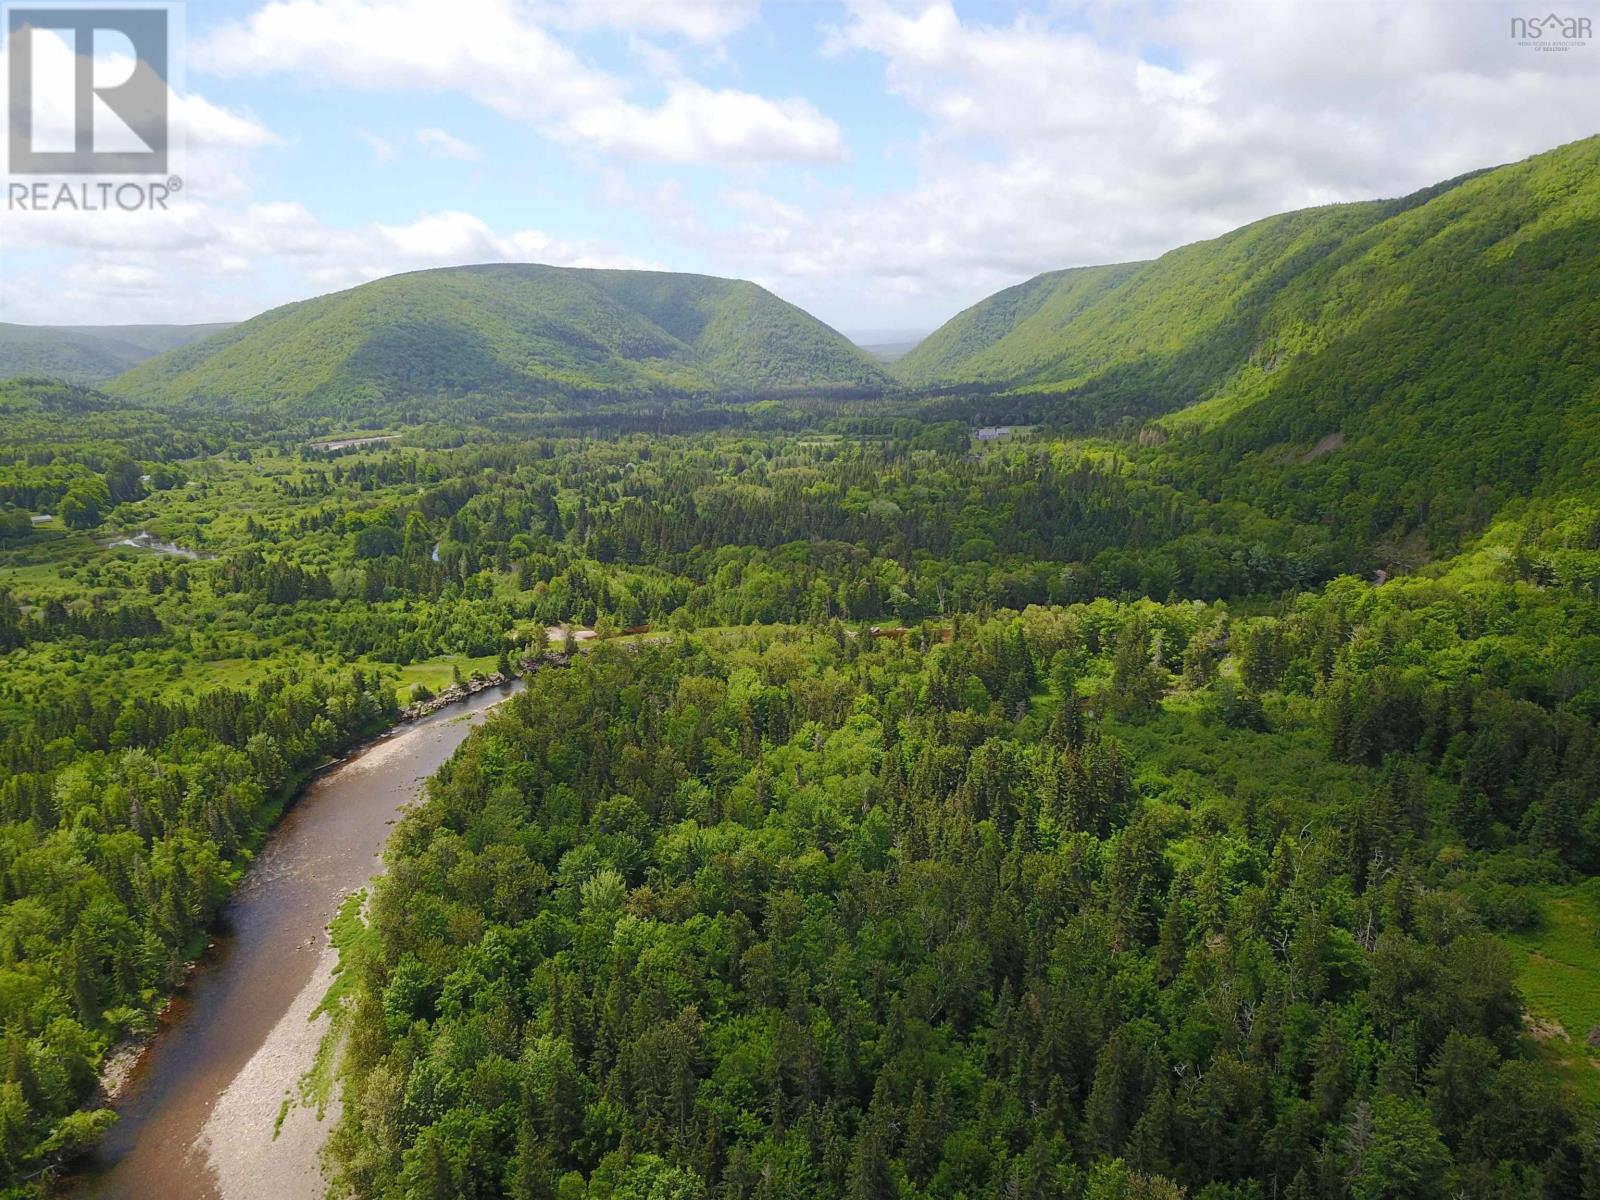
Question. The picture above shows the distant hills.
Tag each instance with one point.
(887, 345)
(517, 335)
(1015, 335)
(89, 353)
(888, 352)
(1463, 320)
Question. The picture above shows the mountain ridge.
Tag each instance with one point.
(1145, 339)
(514, 332)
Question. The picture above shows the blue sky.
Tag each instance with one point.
(881, 162)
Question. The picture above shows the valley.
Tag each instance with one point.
(1143, 741)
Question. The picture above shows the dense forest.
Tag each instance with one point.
(1190, 789)
(911, 850)
(798, 912)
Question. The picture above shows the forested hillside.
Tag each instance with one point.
(1469, 291)
(519, 337)
(979, 344)
(1382, 369)
(1448, 360)
(89, 353)
(1107, 901)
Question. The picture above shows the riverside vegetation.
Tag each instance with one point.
(1195, 795)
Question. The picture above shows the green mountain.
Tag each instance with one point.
(89, 353)
(526, 334)
(1216, 318)
(1445, 360)
(1445, 346)
(1013, 333)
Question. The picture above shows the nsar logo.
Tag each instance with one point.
(1552, 32)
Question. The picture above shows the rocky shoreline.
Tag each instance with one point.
(454, 694)
(457, 692)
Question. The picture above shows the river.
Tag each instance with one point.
(197, 1118)
(149, 541)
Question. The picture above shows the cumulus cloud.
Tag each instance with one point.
(497, 53)
(698, 124)
(209, 141)
(487, 49)
(445, 238)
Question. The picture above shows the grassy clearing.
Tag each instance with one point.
(41, 565)
(438, 673)
(1559, 974)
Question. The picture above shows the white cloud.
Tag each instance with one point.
(697, 124)
(206, 126)
(497, 53)
(444, 238)
(484, 48)
(213, 262)
(447, 145)
(702, 21)
(1048, 144)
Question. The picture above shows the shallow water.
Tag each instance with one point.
(355, 442)
(149, 541)
(269, 947)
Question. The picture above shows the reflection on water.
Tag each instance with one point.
(354, 442)
(149, 541)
